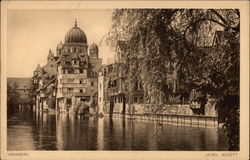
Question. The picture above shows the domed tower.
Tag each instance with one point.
(59, 49)
(76, 41)
(93, 51)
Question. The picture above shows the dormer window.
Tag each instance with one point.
(75, 62)
(67, 62)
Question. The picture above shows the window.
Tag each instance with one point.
(70, 71)
(92, 83)
(81, 91)
(61, 81)
(141, 99)
(67, 62)
(68, 101)
(74, 49)
(81, 70)
(51, 65)
(140, 86)
(70, 89)
(135, 99)
(80, 81)
(114, 83)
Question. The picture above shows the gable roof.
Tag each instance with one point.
(123, 45)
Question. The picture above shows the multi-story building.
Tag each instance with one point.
(114, 94)
(119, 94)
(77, 70)
(71, 75)
(43, 83)
(23, 87)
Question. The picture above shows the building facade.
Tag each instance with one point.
(23, 87)
(70, 76)
(114, 93)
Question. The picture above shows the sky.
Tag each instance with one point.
(31, 33)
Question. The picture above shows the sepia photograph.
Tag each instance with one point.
(132, 79)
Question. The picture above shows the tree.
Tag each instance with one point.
(12, 98)
(180, 43)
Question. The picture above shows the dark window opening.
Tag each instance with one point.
(70, 89)
(135, 99)
(69, 71)
(69, 101)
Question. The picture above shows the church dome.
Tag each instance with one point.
(93, 47)
(93, 51)
(75, 35)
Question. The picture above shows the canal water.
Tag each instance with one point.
(42, 131)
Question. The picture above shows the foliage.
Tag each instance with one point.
(12, 98)
(176, 47)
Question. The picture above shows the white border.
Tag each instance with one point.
(147, 155)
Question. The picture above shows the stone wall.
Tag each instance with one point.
(171, 109)
(175, 109)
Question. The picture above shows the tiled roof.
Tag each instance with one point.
(72, 56)
(38, 68)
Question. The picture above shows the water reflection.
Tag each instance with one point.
(43, 131)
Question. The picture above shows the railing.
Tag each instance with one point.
(178, 119)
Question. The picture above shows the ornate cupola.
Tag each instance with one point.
(59, 49)
(93, 51)
(75, 36)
